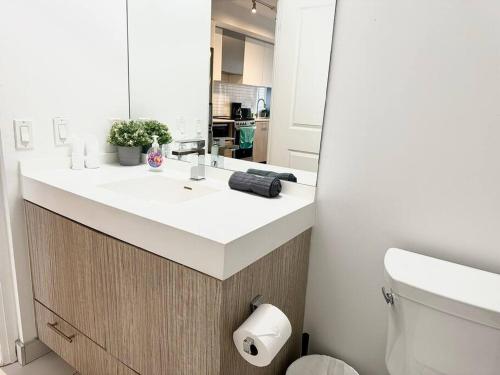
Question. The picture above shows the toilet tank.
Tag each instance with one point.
(444, 318)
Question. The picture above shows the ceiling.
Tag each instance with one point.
(236, 15)
(246, 5)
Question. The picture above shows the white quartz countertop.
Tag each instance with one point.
(218, 233)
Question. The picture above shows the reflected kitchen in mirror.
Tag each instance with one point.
(255, 73)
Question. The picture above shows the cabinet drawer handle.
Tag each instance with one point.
(53, 327)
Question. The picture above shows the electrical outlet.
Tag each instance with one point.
(23, 132)
(61, 131)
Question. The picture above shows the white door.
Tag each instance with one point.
(304, 31)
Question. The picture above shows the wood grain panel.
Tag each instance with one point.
(124, 370)
(281, 278)
(83, 354)
(164, 317)
(68, 262)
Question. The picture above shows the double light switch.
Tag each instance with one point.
(23, 131)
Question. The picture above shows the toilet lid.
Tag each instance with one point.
(320, 365)
(452, 288)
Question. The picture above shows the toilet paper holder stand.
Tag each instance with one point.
(256, 302)
(249, 344)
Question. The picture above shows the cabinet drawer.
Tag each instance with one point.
(76, 349)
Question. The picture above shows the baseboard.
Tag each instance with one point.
(28, 352)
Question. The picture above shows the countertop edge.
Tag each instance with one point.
(243, 252)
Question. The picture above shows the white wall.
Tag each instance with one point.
(410, 158)
(59, 58)
(170, 62)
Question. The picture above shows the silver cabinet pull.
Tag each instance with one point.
(53, 327)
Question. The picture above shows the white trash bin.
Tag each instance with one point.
(319, 365)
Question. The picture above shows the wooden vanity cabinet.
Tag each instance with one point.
(132, 311)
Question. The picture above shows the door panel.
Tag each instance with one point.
(303, 160)
(68, 264)
(303, 46)
(162, 310)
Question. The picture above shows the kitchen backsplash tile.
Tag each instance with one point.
(226, 93)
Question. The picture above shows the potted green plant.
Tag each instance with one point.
(129, 137)
(153, 127)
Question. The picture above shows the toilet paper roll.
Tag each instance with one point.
(262, 335)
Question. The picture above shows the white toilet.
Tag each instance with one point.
(444, 318)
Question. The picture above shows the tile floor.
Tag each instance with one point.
(49, 364)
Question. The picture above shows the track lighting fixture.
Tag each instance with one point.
(254, 5)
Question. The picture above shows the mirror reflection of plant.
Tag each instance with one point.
(153, 127)
(128, 134)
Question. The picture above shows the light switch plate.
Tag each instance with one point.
(61, 131)
(23, 132)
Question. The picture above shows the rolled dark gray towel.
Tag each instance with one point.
(266, 186)
(282, 176)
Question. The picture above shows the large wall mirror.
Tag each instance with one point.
(249, 77)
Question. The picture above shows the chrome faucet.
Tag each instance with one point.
(198, 165)
(257, 109)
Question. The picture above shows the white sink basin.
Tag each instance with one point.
(160, 189)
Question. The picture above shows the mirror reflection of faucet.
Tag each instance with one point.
(220, 144)
(197, 171)
(257, 108)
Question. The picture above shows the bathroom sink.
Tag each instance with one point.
(160, 189)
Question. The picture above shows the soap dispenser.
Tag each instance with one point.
(155, 156)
